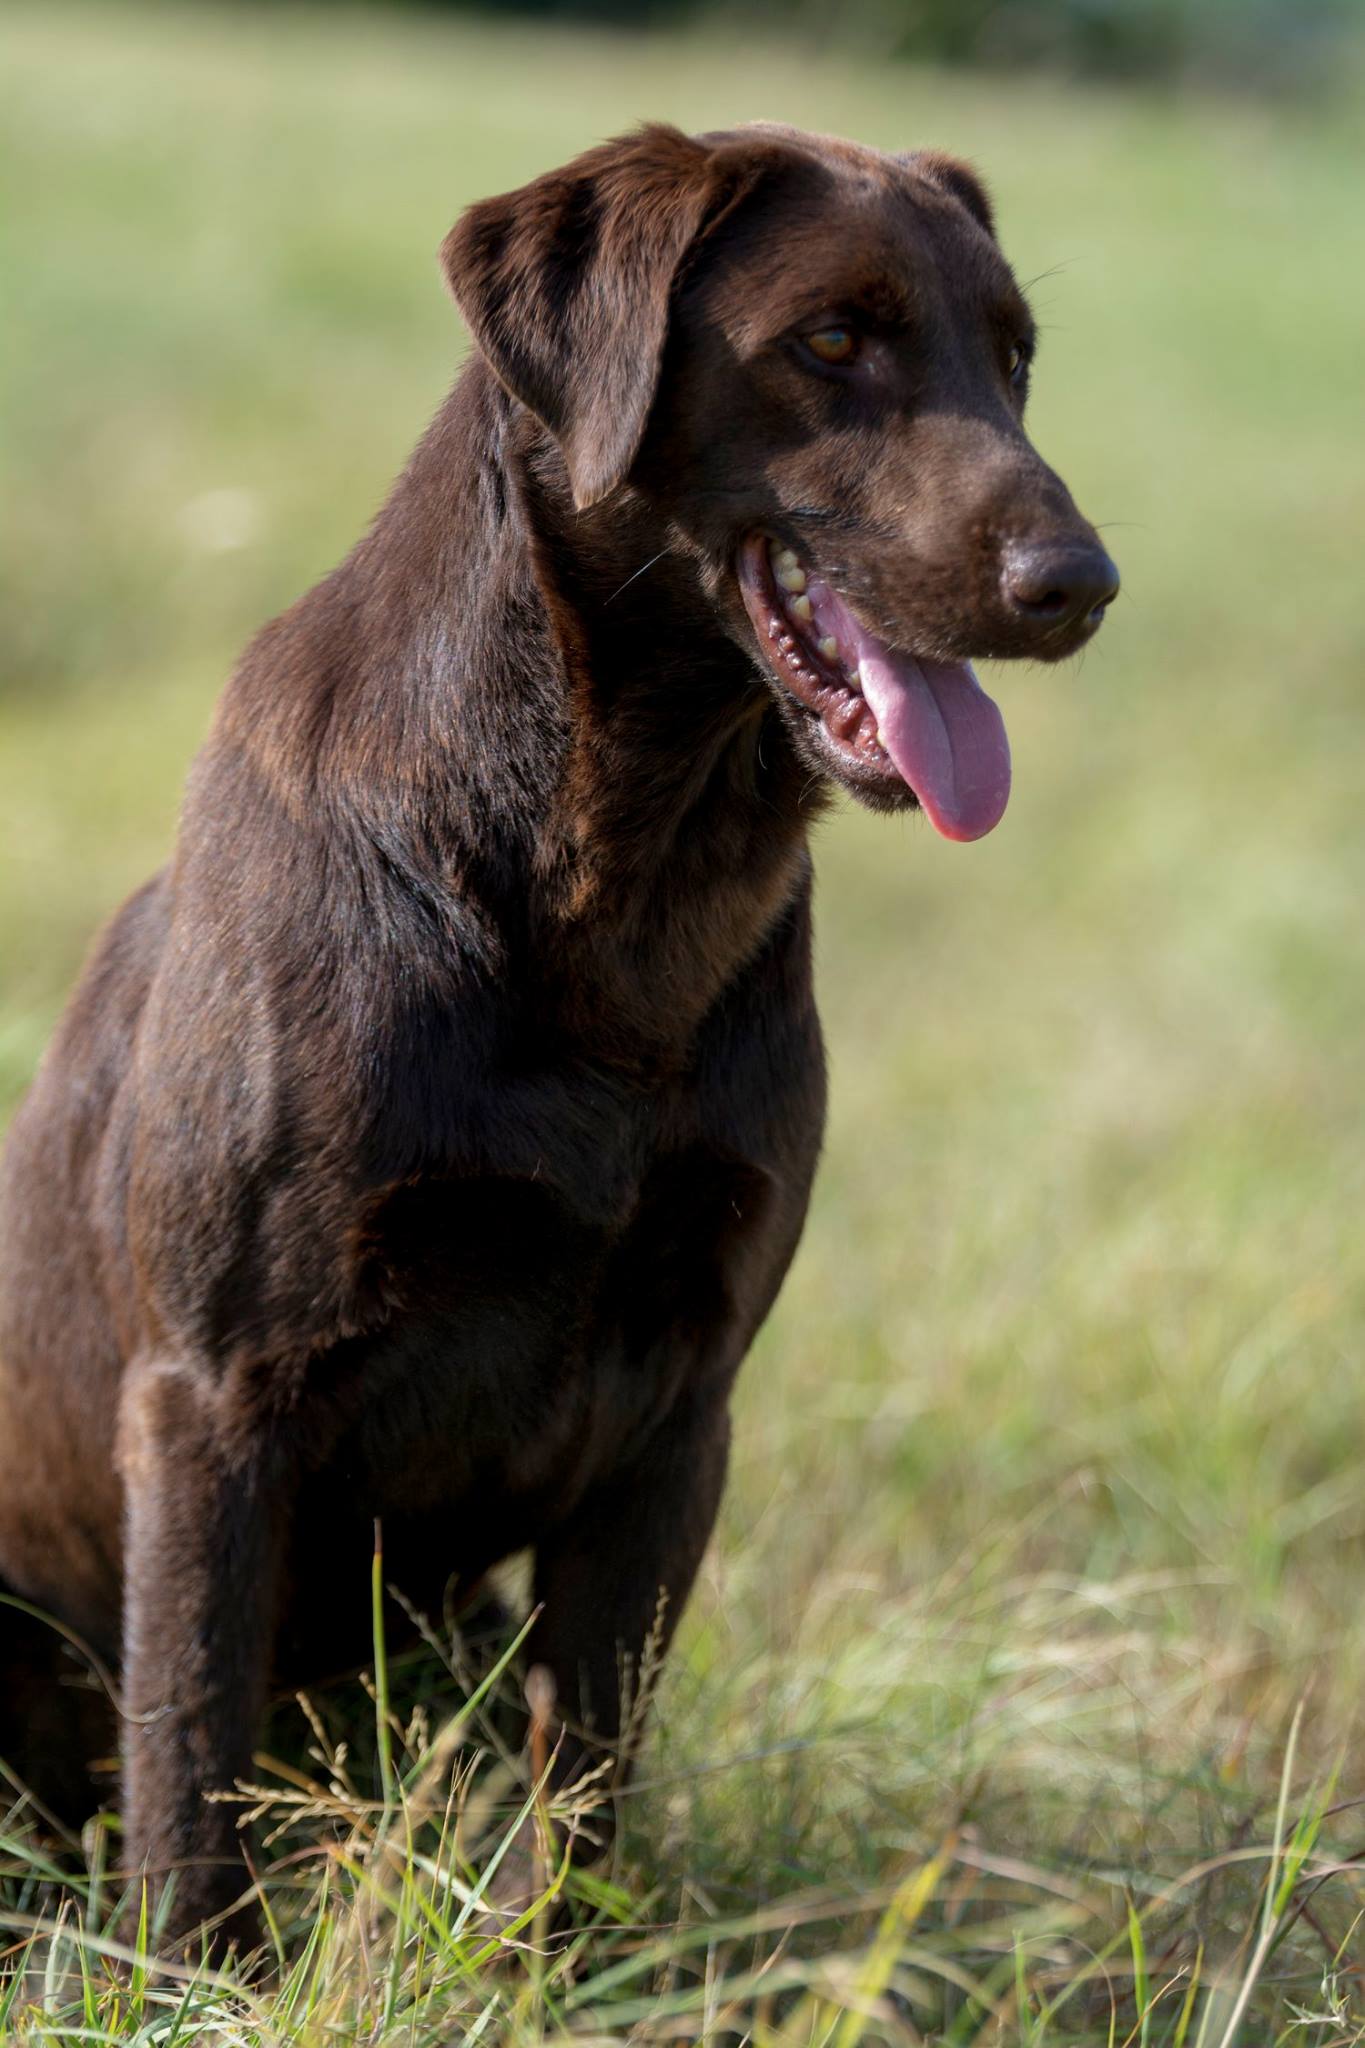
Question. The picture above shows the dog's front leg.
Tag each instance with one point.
(203, 1553)
(613, 1581)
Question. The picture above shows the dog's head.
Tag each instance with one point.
(812, 359)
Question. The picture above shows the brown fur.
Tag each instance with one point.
(430, 1139)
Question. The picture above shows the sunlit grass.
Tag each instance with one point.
(1048, 1501)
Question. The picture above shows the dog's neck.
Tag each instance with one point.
(537, 707)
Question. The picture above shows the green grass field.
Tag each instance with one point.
(1047, 1513)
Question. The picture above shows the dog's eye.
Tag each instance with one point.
(833, 344)
(1018, 362)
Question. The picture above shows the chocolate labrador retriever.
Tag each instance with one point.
(430, 1139)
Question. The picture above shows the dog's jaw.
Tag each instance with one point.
(894, 729)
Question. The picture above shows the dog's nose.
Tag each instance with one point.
(1058, 583)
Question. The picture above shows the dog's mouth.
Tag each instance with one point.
(884, 718)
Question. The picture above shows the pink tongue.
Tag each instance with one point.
(945, 736)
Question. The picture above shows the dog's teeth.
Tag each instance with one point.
(793, 578)
(829, 646)
(785, 558)
(800, 608)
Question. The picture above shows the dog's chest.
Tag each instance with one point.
(532, 1341)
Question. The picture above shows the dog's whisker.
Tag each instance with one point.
(1054, 270)
(635, 577)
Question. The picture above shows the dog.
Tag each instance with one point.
(429, 1140)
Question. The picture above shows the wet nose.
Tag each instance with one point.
(1058, 583)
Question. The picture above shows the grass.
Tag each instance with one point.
(1019, 1701)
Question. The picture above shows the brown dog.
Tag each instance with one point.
(430, 1139)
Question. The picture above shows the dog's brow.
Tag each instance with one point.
(879, 298)
(888, 300)
(1013, 312)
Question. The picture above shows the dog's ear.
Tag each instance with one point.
(959, 180)
(566, 286)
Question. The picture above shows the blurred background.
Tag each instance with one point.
(1048, 1502)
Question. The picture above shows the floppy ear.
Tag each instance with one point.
(957, 179)
(566, 286)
